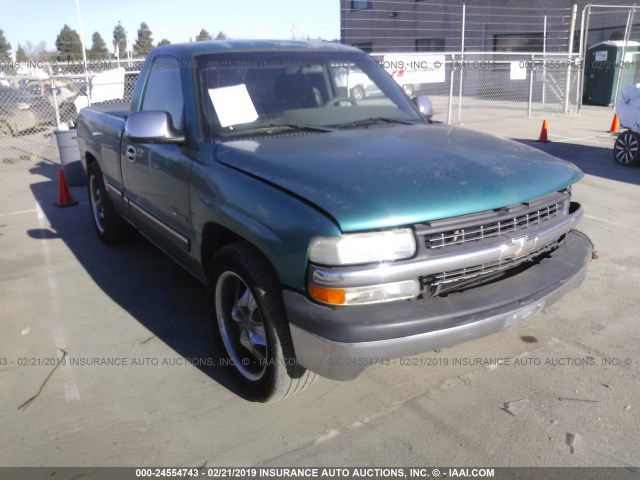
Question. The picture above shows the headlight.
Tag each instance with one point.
(355, 248)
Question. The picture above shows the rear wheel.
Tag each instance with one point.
(253, 335)
(110, 226)
(626, 150)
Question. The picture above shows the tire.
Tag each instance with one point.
(252, 332)
(110, 226)
(626, 150)
(358, 93)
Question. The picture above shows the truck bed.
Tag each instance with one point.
(109, 119)
(120, 109)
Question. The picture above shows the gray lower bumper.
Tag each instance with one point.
(544, 283)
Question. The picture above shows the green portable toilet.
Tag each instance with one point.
(602, 63)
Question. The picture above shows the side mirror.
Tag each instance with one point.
(152, 127)
(424, 106)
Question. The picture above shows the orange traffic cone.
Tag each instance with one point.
(543, 132)
(615, 124)
(64, 194)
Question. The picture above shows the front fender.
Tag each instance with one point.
(275, 222)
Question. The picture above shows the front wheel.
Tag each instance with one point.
(252, 332)
(626, 150)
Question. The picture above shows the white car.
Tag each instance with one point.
(357, 83)
(626, 150)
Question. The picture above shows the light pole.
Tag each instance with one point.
(84, 51)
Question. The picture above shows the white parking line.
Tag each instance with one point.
(621, 225)
(19, 212)
(39, 210)
(568, 139)
(592, 139)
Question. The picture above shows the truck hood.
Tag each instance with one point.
(390, 176)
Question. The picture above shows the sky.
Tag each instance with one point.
(176, 20)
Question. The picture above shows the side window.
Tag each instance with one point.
(163, 90)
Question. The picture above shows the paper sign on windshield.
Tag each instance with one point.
(233, 105)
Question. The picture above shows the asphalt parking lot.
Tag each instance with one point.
(572, 375)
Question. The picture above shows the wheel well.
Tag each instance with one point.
(90, 158)
(214, 237)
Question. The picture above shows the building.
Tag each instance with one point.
(483, 25)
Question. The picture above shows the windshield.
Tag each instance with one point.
(262, 92)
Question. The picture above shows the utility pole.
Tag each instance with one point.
(84, 51)
(572, 31)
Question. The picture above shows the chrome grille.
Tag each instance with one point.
(493, 229)
(474, 274)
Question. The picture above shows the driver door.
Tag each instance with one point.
(157, 177)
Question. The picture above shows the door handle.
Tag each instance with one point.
(131, 154)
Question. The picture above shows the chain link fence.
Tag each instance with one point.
(37, 97)
(462, 86)
(601, 25)
(456, 25)
(487, 84)
(475, 61)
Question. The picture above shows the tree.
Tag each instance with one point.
(69, 45)
(203, 36)
(99, 48)
(35, 53)
(164, 41)
(120, 40)
(21, 55)
(221, 36)
(144, 42)
(5, 47)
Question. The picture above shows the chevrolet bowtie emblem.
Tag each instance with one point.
(519, 247)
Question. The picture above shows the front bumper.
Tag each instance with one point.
(340, 342)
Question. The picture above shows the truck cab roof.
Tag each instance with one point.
(217, 46)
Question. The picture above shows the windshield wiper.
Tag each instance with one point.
(373, 121)
(287, 126)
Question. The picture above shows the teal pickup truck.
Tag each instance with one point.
(333, 231)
